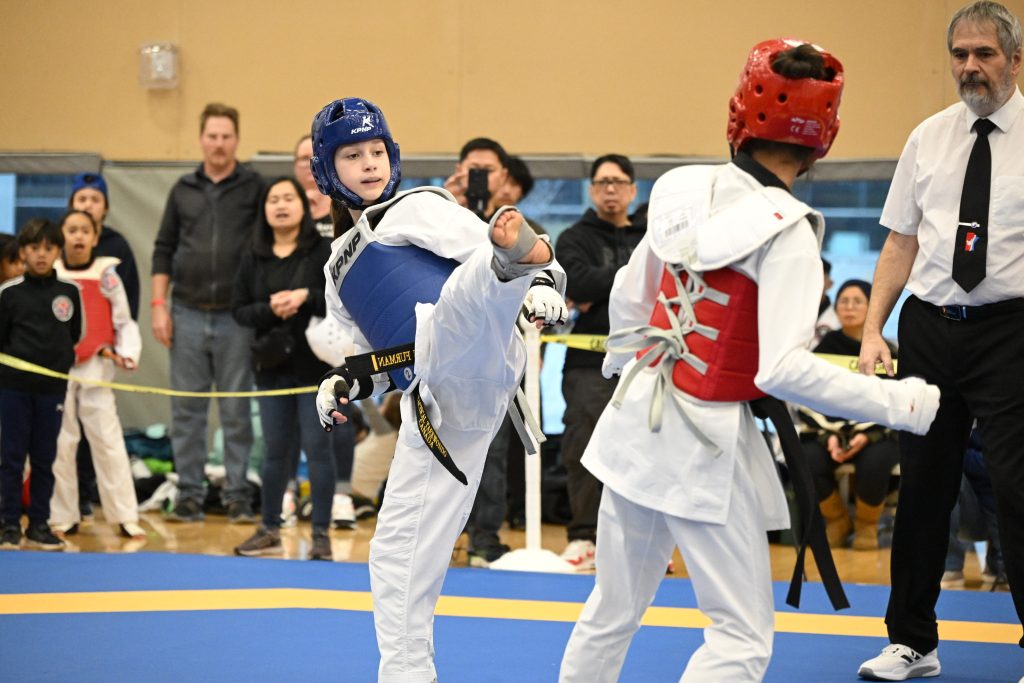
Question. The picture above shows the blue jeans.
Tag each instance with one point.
(31, 423)
(290, 423)
(343, 444)
(210, 350)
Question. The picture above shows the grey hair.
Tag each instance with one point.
(1006, 23)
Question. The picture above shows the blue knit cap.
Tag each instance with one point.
(90, 180)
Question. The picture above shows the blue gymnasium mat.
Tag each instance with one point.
(338, 645)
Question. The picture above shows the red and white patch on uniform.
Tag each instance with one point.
(108, 281)
(62, 308)
(777, 215)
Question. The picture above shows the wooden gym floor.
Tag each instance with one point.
(215, 536)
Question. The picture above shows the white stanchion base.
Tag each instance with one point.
(524, 560)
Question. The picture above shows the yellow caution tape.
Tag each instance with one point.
(25, 366)
(596, 342)
(587, 342)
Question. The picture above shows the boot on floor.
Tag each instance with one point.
(865, 525)
(837, 520)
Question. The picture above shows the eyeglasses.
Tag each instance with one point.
(617, 183)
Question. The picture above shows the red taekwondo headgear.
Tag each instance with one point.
(800, 111)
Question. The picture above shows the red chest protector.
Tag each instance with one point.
(99, 324)
(721, 359)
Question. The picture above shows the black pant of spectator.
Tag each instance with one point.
(873, 467)
(586, 394)
(491, 503)
(979, 366)
(31, 423)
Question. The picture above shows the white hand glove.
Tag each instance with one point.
(924, 404)
(543, 302)
(331, 389)
(612, 365)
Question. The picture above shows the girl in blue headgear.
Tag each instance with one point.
(429, 294)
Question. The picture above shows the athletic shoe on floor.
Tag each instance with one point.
(186, 510)
(132, 530)
(898, 663)
(321, 549)
(289, 510)
(482, 557)
(39, 536)
(240, 512)
(263, 542)
(85, 511)
(343, 512)
(10, 537)
(994, 582)
(364, 506)
(65, 529)
(580, 554)
(952, 579)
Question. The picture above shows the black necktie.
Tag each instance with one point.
(972, 232)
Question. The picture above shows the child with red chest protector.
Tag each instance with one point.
(713, 311)
(111, 341)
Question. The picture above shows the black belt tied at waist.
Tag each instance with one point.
(396, 358)
(811, 526)
(968, 313)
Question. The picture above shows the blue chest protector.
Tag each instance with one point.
(381, 289)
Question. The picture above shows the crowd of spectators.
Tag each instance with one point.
(236, 280)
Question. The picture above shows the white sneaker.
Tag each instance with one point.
(580, 554)
(343, 512)
(898, 663)
(132, 530)
(289, 511)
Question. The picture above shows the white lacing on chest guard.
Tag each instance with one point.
(669, 343)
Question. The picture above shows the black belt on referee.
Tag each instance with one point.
(395, 358)
(966, 313)
(812, 526)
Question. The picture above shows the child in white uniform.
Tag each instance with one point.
(111, 341)
(729, 276)
(469, 359)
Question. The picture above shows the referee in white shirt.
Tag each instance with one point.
(956, 215)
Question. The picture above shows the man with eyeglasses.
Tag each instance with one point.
(591, 252)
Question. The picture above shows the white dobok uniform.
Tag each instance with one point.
(706, 481)
(468, 362)
(95, 406)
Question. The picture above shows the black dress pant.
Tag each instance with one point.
(586, 394)
(978, 364)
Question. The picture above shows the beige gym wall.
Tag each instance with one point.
(543, 76)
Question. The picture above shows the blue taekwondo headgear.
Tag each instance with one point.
(344, 122)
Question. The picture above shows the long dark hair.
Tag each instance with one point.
(263, 234)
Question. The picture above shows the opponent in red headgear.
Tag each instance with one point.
(798, 111)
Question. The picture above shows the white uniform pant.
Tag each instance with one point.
(469, 360)
(96, 409)
(730, 570)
